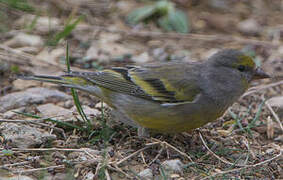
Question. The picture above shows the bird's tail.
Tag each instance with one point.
(67, 80)
(77, 80)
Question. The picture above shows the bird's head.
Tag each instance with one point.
(239, 63)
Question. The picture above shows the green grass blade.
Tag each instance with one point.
(75, 94)
(22, 5)
(59, 123)
(163, 173)
(66, 31)
(68, 58)
(258, 113)
(31, 26)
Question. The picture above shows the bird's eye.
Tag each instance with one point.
(241, 68)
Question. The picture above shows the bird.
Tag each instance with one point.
(168, 97)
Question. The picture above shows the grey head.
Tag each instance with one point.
(227, 76)
(238, 62)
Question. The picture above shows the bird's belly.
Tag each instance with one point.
(167, 120)
(154, 116)
(171, 124)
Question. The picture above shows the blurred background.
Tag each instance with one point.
(104, 33)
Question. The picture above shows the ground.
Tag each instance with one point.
(48, 139)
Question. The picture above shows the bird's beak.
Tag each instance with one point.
(260, 74)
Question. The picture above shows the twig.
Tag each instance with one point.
(131, 155)
(202, 37)
(38, 120)
(274, 115)
(45, 149)
(143, 159)
(152, 143)
(39, 169)
(242, 166)
(219, 158)
(15, 164)
(262, 87)
(157, 156)
(85, 151)
(107, 175)
(97, 170)
(116, 168)
(247, 166)
(174, 148)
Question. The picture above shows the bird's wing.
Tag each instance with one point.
(168, 83)
(115, 79)
(161, 83)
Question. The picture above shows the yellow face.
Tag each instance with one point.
(246, 65)
(246, 61)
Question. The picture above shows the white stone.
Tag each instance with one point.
(52, 110)
(24, 136)
(173, 165)
(29, 96)
(146, 174)
(142, 58)
(249, 27)
(23, 39)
